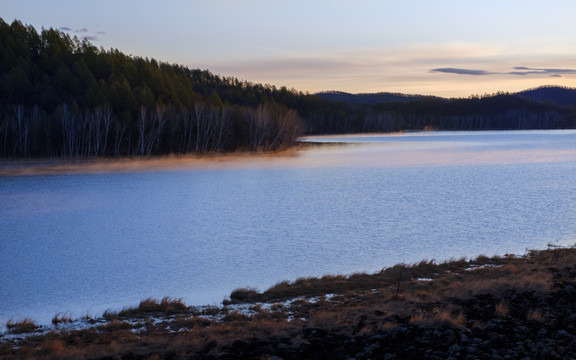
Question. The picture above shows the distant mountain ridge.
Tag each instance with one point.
(557, 95)
(367, 98)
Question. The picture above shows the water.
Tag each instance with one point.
(83, 243)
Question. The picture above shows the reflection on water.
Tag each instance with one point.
(449, 148)
(197, 229)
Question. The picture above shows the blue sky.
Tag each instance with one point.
(442, 47)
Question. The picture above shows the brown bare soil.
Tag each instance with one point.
(489, 308)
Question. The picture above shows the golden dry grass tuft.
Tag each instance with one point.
(244, 295)
(61, 318)
(436, 317)
(167, 305)
(535, 314)
(20, 327)
(502, 310)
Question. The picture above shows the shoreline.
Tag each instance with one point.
(104, 165)
(448, 309)
(208, 160)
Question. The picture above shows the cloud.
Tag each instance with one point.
(521, 71)
(90, 38)
(551, 72)
(66, 28)
(463, 71)
(83, 30)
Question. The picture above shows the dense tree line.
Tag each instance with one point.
(501, 111)
(64, 97)
(61, 96)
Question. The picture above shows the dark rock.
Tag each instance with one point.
(314, 332)
(562, 334)
(522, 330)
(495, 356)
(454, 349)
(552, 323)
(476, 341)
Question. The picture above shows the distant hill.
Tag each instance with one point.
(368, 98)
(557, 95)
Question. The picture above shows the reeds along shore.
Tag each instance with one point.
(487, 308)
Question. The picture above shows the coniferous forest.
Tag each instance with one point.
(64, 97)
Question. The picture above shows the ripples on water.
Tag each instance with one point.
(87, 242)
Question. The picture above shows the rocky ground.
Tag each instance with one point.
(487, 308)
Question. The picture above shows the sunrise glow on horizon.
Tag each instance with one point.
(445, 48)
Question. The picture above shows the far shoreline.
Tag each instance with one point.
(127, 164)
(170, 162)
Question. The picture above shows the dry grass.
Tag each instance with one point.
(439, 317)
(495, 281)
(502, 310)
(236, 316)
(167, 305)
(536, 314)
(22, 326)
(244, 295)
(396, 277)
(61, 318)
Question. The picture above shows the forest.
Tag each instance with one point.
(64, 97)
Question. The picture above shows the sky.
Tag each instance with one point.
(451, 48)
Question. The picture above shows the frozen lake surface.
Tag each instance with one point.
(83, 243)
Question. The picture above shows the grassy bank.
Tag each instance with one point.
(508, 307)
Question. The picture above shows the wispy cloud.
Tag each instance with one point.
(520, 71)
(463, 71)
(551, 72)
(88, 37)
(91, 38)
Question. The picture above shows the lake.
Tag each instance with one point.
(81, 243)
